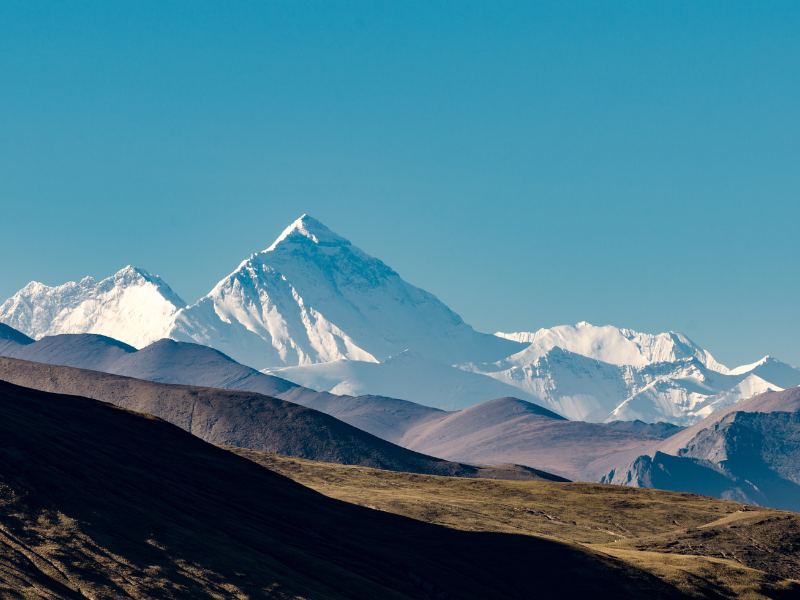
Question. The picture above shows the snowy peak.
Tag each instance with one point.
(308, 228)
(134, 276)
(765, 360)
(613, 345)
(315, 305)
(773, 370)
(312, 297)
(309, 245)
(593, 373)
(131, 305)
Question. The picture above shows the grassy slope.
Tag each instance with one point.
(101, 502)
(704, 546)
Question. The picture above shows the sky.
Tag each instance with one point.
(530, 163)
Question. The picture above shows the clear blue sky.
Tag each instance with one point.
(634, 163)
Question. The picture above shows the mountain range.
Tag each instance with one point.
(595, 373)
(747, 451)
(315, 309)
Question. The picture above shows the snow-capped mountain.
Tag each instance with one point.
(576, 386)
(651, 377)
(132, 306)
(320, 311)
(688, 395)
(773, 370)
(610, 344)
(310, 297)
(314, 297)
(606, 373)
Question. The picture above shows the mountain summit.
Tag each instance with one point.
(613, 345)
(312, 296)
(131, 305)
(309, 228)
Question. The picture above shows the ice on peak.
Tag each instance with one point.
(127, 275)
(311, 229)
(31, 286)
(607, 343)
(131, 305)
(130, 274)
(131, 270)
(750, 366)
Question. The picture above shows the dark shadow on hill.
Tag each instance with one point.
(120, 503)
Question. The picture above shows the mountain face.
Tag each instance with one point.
(749, 452)
(164, 361)
(771, 369)
(587, 389)
(314, 297)
(10, 337)
(594, 373)
(131, 305)
(609, 344)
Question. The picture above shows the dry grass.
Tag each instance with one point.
(99, 502)
(703, 546)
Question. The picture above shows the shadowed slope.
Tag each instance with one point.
(242, 419)
(9, 335)
(168, 361)
(784, 401)
(100, 502)
(748, 452)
